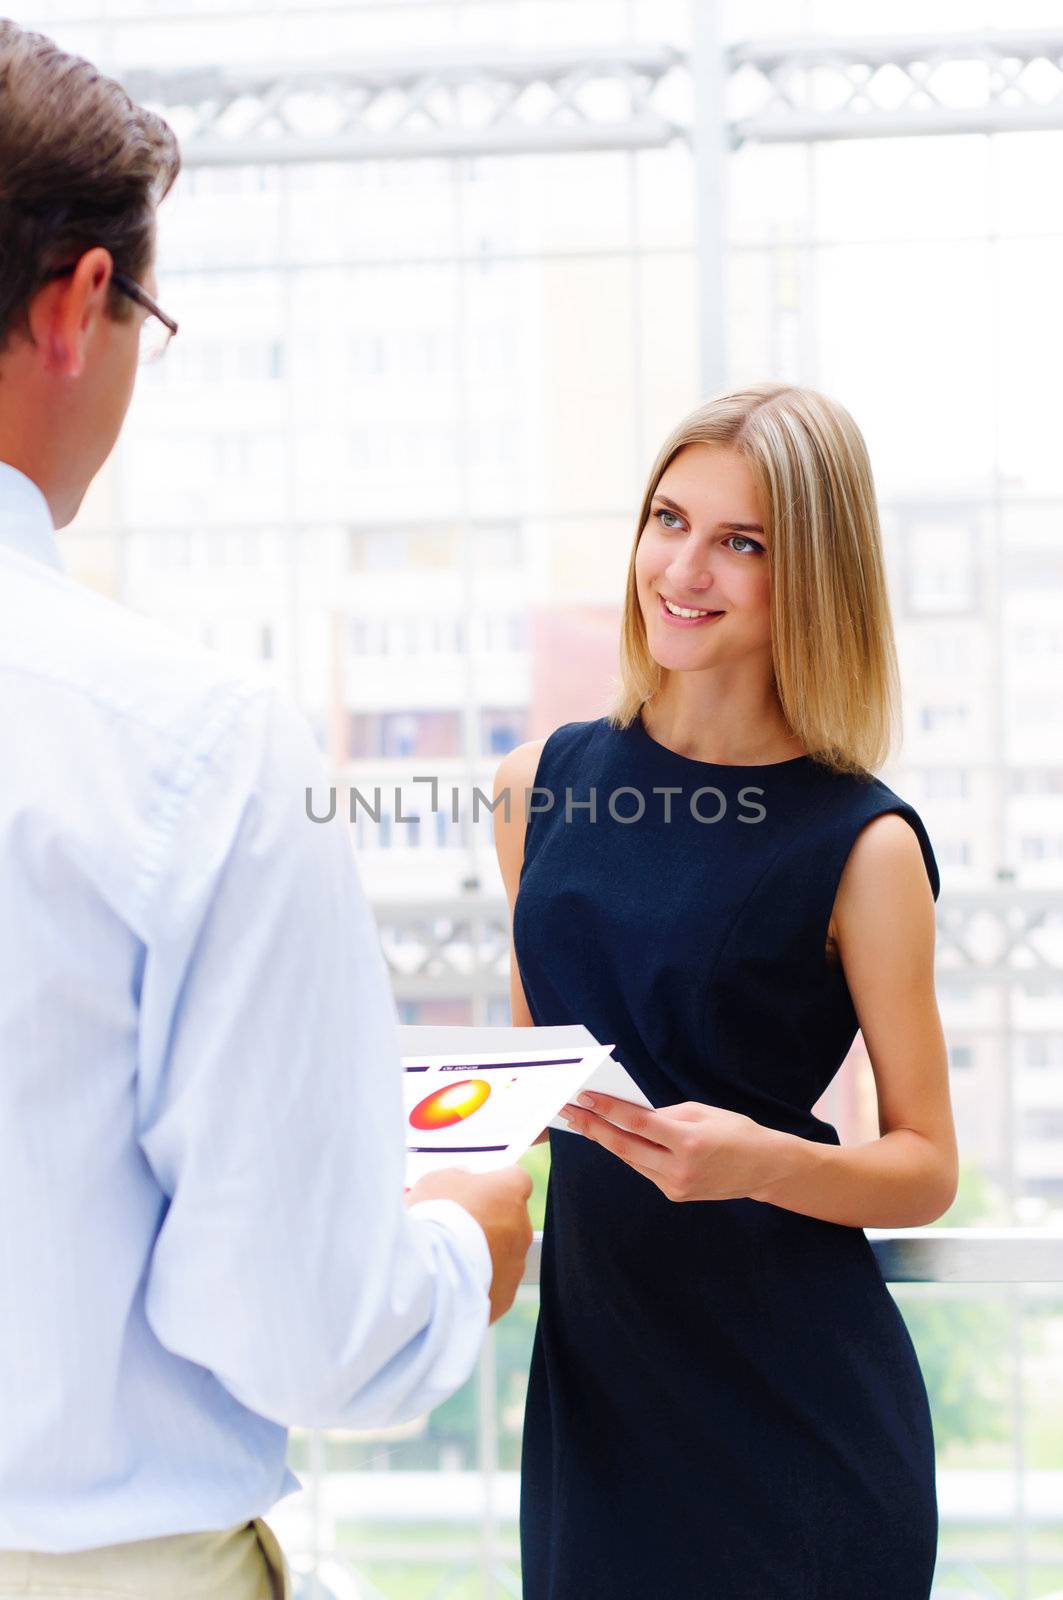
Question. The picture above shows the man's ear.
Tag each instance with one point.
(64, 314)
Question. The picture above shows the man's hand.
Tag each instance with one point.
(499, 1203)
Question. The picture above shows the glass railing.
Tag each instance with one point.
(429, 1511)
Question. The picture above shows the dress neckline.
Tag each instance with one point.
(644, 737)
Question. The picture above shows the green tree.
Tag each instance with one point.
(960, 1342)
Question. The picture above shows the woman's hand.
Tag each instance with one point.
(690, 1151)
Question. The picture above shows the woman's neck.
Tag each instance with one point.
(701, 736)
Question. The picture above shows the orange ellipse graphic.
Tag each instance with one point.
(444, 1107)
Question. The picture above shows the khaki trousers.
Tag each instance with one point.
(244, 1563)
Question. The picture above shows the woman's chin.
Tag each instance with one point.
(677, 655)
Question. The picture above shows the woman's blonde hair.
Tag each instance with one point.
(834, 660)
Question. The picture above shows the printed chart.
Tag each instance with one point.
(482, 1109)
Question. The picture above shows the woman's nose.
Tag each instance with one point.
(690, 572)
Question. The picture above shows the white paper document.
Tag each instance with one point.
(477, 1097)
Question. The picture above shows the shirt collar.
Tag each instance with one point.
(26, 524)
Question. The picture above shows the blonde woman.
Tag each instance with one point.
(725, 1403)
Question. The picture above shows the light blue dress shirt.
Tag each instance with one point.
(203, 1238)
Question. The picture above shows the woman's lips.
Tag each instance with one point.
(686, 622)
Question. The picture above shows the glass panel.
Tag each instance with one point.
(991, 1359)
(394, 458)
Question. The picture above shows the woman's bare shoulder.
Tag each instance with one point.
(519, 765)
(515, 775)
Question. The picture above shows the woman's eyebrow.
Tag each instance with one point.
(736, 527)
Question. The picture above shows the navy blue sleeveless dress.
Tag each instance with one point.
(724, 1400)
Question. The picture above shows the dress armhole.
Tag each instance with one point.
(529, 820)
(903, 809)
(542, 766)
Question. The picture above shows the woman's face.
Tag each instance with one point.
(703, 548)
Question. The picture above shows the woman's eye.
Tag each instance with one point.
(751, 543)
(660, 515)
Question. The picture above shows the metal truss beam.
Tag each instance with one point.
(451, 949)
(878, 88)
(445, 949)
(628, 98)
(1001, 936)
(427, 106)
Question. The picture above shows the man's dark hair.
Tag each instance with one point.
(80, 166)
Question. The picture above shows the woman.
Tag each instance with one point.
(724, 1401)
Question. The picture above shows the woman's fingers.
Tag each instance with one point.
(636, 1119)
(649, 1158)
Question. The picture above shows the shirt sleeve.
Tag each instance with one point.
(270, 1104)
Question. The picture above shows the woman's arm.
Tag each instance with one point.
(516, 773)
(884, 917)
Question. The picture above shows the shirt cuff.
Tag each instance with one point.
(462, 1223)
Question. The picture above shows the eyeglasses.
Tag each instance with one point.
(156, 330)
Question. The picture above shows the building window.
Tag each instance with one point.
(497, 547)
(399, 735)
(947, 652)
(1033, 571)
(392, 549)
(1043, 1122)
(366, 832)
(500, 730)
(503, 631)
(941, 566)
(1035, 780)
(1043, 1050)
(439, 1010)
(1038, 639)
(411, 828)
(1041, 847)
(1033, 709)
(943, 719)
(946, 783)
(433, 549)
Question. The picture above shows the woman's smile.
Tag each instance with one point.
(685, 622)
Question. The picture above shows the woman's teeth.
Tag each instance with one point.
(680, 611)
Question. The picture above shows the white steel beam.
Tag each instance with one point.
(852, 88)
(502, 103)
(460, 946)
(625, 98)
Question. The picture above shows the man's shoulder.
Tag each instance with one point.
(69, 642)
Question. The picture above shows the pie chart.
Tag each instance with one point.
(452, 1104)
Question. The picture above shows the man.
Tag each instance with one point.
(203, 1237)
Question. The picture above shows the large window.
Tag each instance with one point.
(395, 456)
